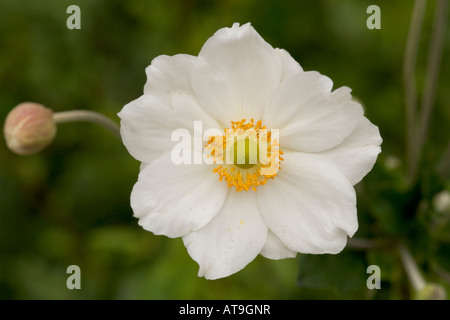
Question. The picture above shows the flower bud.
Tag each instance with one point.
(29, 128)
(441, 201)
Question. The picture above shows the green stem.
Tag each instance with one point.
(432, 73)
(411, 268)
(409, 82)
(366, 244)
(88, 116)
(444, 164)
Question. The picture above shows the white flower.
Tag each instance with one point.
(239, 81)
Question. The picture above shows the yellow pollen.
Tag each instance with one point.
(246, 156)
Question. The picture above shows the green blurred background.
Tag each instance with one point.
(70, 203)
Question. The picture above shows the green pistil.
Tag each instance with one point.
(246, 153)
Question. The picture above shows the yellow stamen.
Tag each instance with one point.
(246, 168)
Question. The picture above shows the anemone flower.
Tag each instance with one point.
(276, 177)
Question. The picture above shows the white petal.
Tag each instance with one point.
(167, 74)
(357, 154)
(289, 65)
(310, 117)
(147, 123)
(275, 249)
(310, 205)
(236, 73)
(231, 240)
(174, 200)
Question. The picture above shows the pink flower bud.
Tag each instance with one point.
(29, 128)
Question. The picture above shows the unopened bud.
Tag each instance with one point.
(29, 128)
(441, 201)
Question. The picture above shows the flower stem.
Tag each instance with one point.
(433, 66)
(409, 80)
(444, 164)
(89, 116)
(366, 244)
(411, 268)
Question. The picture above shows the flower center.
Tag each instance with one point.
(247, 155)
(244, 149)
